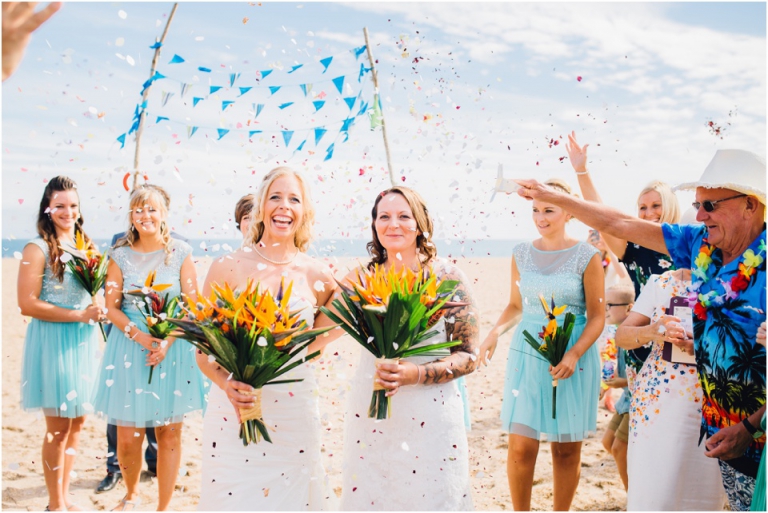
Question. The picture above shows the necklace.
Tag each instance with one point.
(738, 283)
(276, 262)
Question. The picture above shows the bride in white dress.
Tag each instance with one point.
(286, 474)
(417, 459)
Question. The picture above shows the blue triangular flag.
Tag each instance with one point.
(326, 62)
(232, 78)
(160, 118)
(287, 134)
(300, 146)
(157, 45)
(306, 88)
(330, 152)
(184, 88)
(284, 105)
(253, 132)
(166, 97)
(274, 89)
(214, 89)
(191, 131)
(177, 59)
(244, 90)
(121, 140)
(195, 100)
(294, 68)
(362, 71)
(347, 123)
(359, 51)
(318, 104)
(363, 108)
(339, 83)
(350, 102)
(346, 137)
(222, 132)
(226, 104)
(319, 133)
(265, 73)
(204, 70)
(258, 107)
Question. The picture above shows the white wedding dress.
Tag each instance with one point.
(415, 460)
(285, 475)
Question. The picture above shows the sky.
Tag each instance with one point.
(466, 88)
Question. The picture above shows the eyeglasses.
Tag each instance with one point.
(609, 305)
(709, 206)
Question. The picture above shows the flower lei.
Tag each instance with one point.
(738, 283)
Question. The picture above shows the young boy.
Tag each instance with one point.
(619, 300)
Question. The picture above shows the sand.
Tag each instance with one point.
(22, 434)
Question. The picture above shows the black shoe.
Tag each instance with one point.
(109, 482)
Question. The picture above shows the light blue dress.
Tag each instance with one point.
(124, 397)
(60, 360)
(527, 406)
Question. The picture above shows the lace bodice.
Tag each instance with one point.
(67, 293)
(136, 267)
(553, 272)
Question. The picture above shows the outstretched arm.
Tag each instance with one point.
(19, 21)
(607, 220)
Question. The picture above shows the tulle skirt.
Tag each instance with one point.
(59, 368)
(126, 398)
(527, 406)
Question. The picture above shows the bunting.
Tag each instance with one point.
(177, 59)
(222, 132)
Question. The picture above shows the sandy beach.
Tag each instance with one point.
(22, 433)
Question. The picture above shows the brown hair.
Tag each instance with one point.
(303, 235)
(243, 208)
(424, 245)
(46, 228)
(139, 197)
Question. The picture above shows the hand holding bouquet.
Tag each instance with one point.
(157, 311)
(88, 266)
(252, 335)
(389, 313)
(554, 340)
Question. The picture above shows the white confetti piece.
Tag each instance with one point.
(177, 393)
(87, 407)
(395, 345)
(370, 339)
(119, 41)
(515, 392)
(261, 342)
(123, 15)
(71, 395)
(71, 452)
(480, 475)
(63, 407)
(109, 382)
(17, 255)
(130, 60)
(127, 365)
(65, 257)
(13, 466)
(405, 447)
(109, 367)
(211, 358)
(261, 267)
(139, 390)
(72, 474)
(319, 286)
(399, 257)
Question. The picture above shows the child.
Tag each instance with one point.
(618, 303)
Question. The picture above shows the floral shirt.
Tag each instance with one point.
(728, 309)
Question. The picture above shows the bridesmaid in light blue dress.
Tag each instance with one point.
(124, 395)
(60, 349)
(558, 265)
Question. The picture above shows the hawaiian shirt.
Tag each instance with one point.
(730, 364)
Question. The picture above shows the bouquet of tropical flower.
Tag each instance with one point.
(389, 313)
(156, 310)
(254, 336)
(554, 340)
(88, 266)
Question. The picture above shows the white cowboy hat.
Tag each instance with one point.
(738, 170)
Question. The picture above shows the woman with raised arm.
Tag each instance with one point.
(59, 364)
(125, 396)
(417, 459)
(287, 474)
(570, 272)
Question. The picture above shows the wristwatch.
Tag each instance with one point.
(756, 433)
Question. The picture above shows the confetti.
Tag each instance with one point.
(319, 286)
(123, 15)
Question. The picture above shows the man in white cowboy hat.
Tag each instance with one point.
(726, 254)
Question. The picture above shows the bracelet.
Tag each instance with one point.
(418, 369)
(585, 172)
(748, 425)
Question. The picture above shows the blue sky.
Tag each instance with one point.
(466, 87)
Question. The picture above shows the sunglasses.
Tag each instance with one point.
(709, 206)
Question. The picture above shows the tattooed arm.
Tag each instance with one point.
(461, 323)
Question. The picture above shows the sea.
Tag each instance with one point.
(322, 248)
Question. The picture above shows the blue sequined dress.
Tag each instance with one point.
(60, 358)
(527, 406)
(124, 395)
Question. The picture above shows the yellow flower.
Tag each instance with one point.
(752, 260)
(702, 261)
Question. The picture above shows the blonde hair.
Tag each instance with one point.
(670, 207)
(140, 196)
(626, 294)
(559, 183)
(303, 235)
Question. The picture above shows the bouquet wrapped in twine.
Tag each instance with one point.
(390, 314)
(253, 335)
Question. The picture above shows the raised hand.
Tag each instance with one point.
(576, 154)
(19, 21)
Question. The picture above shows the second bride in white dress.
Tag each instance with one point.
(287, 474)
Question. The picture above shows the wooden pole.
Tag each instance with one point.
(144, 97)
(376, 91)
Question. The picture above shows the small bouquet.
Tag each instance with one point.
(554, 340)
(157, 311)
(389, 313)
(254, 336)
(88, 266)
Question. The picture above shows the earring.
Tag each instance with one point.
(133, 228)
